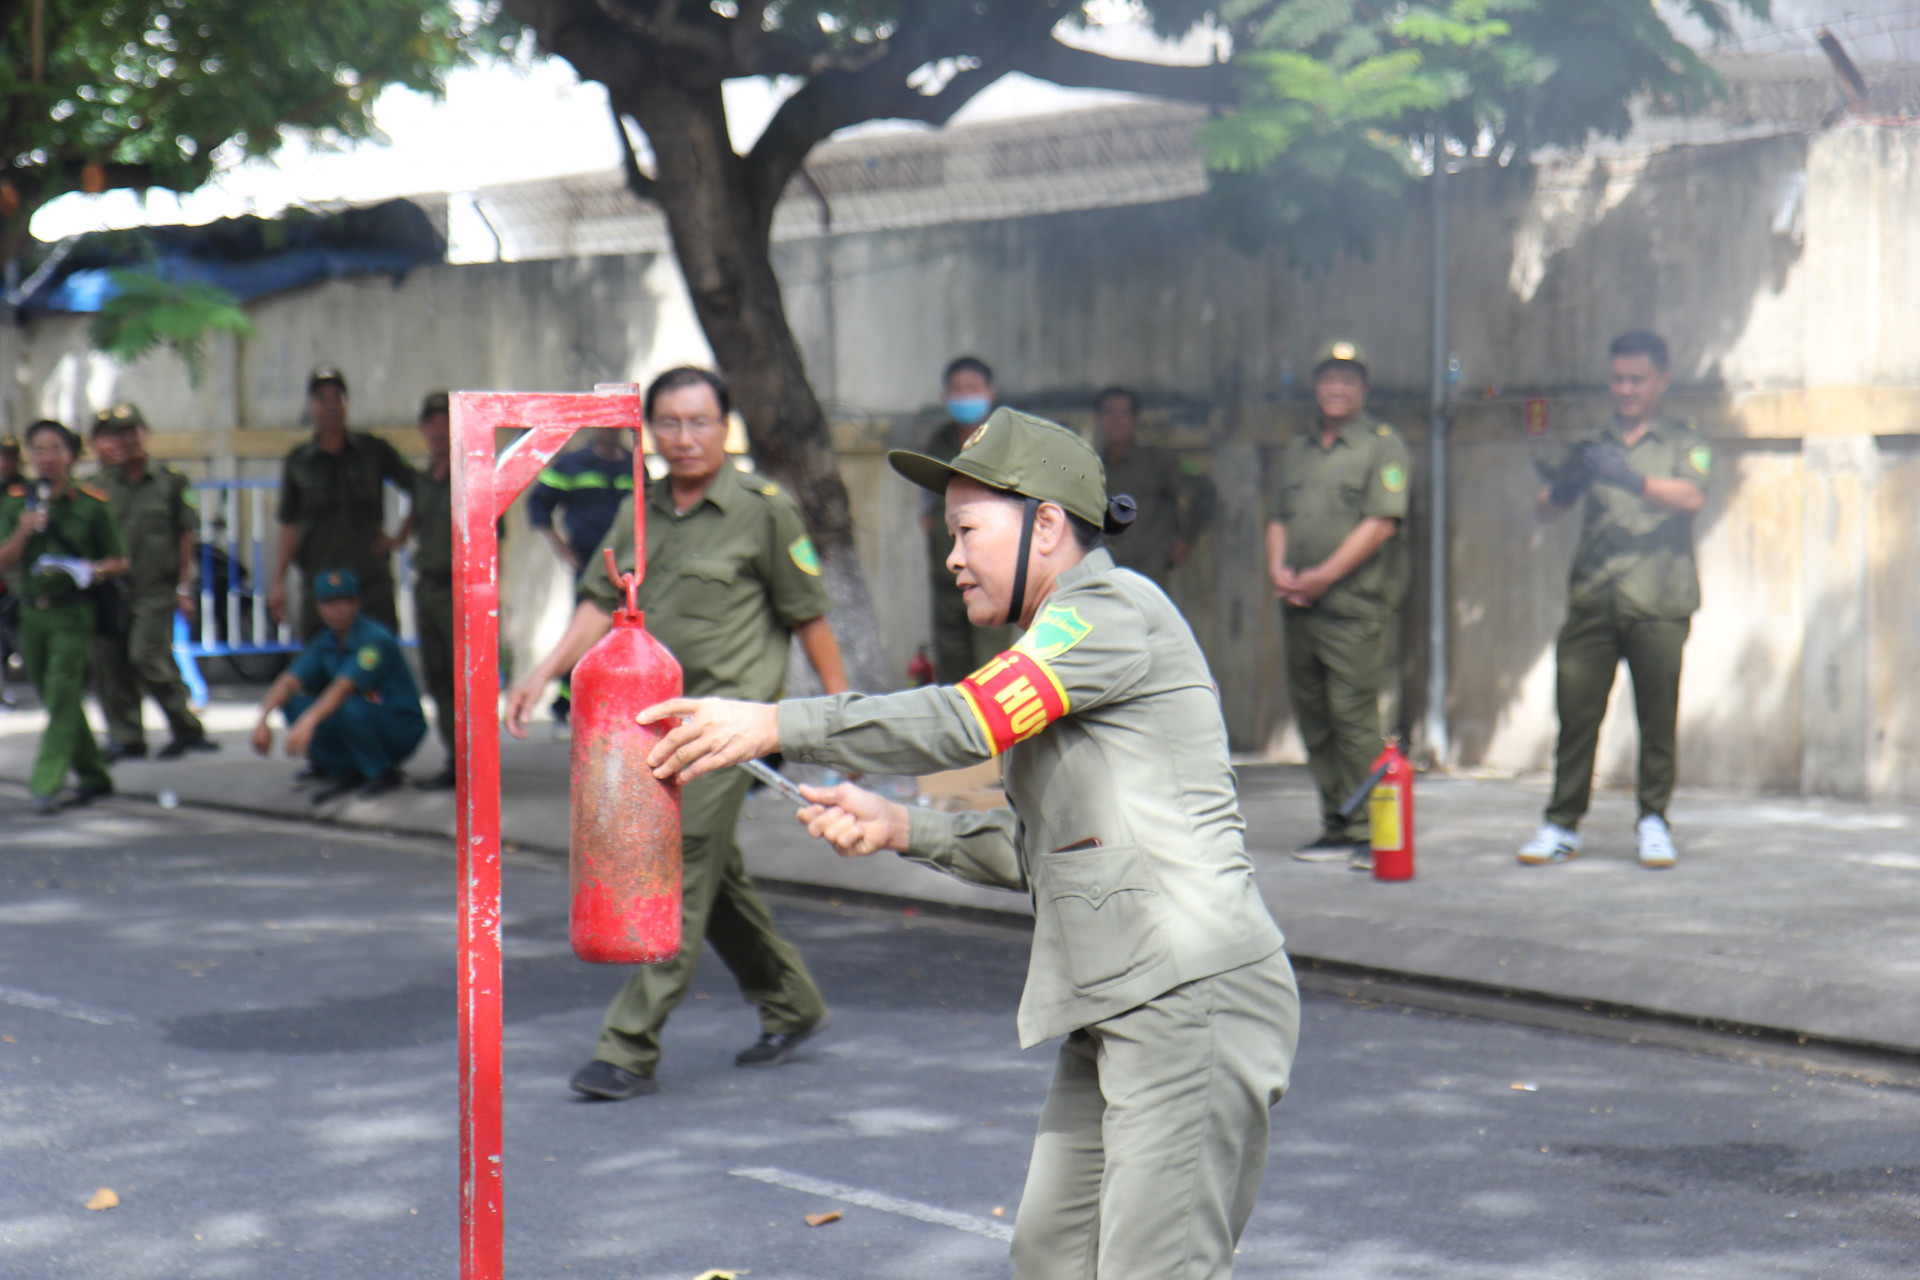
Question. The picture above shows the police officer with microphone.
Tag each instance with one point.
(1153, 953)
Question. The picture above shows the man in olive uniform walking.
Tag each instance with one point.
(732, 580)
(332, 509)
(968, 394)
(432, 526)
(154, 506)
(1640, 480)
(1337, 558)
(64, 539)
(1174, 505)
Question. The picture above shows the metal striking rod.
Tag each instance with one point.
(779, 781)
(1438, 738)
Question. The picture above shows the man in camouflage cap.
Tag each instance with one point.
(1337, 558)
(1154, 956)
(158, 523)
(333, 509)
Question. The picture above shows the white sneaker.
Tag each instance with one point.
(1656, 843)
(1550, 844)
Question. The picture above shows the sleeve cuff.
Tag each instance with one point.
(929, 834)
(803, 727)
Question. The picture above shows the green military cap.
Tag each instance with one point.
(121, 416)
(1341, 351)
(324, 375)
(1019, 453)
(335, 583)
(436, 402)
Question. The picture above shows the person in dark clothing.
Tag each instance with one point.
(585, 488)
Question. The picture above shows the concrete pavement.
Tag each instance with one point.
(1785, 914)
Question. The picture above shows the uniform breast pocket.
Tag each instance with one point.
(707, 587)
(1107, 906)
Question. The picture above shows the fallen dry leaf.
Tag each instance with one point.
(822, 1219)
(999, 1211)
(721, 1275)
(104, 1199)
(9, 1039)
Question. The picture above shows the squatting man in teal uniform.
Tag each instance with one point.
(1153, 953)
(351, 705)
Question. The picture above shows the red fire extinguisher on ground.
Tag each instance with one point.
(1390, 814)
(625, 847)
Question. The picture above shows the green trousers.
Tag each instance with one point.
(1153, 1140)
(55, 644)
(718, 903)
(1590, 648)
(433, 614)
(140, 663)
(959, 647)
(1334, 667)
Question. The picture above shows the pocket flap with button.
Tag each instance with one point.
(1107, 906)
(707, 586)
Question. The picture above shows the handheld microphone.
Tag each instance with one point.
(42, 494)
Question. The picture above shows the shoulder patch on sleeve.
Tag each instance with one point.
(1055, 631)
(1383, 430)
(1393, 477)
(805, 556)
(1701, 457)
(1014, 697)
(368, 657)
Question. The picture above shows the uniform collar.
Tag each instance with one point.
(1353, 433)
(722, 493)
(355, 637)
(1657, 428)
(1097, 561)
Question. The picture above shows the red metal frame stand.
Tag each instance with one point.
(483, 488)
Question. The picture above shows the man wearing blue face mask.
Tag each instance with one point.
(959, 647)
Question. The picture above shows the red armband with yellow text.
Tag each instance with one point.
(1014, 697)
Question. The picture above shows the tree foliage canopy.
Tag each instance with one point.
(1332, 93)
(144, 93)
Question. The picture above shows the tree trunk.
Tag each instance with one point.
(722, 242)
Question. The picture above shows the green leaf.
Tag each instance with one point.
(148, 312)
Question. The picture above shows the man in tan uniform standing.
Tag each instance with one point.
(1640, 480)
(1337, 557)
(1153, 953)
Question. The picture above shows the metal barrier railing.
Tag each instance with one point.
(239, 532)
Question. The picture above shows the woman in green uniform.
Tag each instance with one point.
(1153, 953)
(65, 539)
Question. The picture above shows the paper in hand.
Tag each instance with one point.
(81, 571)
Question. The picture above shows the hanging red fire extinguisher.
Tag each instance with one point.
(625, 848)
(1390, 814)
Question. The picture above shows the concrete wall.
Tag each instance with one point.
(1781, 270)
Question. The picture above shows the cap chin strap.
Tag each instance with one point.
(1020, 567)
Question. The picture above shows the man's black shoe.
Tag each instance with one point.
(307, 776)
(1330, 847)
(175, 749)
(608, 1083)
(771, 1050)
(441, 781)
(86, 793)
(118, 751)
(391, 780)
(45, 805)
(337, 787)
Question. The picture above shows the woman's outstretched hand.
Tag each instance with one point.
(855, 821)
(713, 733)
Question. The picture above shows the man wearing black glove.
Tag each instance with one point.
(1633, 592)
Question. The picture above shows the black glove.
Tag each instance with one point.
(1565, 484)
(1607, 463)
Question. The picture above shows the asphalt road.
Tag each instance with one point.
(246, 1031)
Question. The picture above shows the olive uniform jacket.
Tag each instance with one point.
(1125, 824)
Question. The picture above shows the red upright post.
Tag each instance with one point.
(483, 488)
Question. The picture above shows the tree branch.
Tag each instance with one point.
(642, 186)
(1062, 64)
(669, 27)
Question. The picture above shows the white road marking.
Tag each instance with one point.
(879, 1200)
(64, 1008)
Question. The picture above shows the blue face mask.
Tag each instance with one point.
(967, 410)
